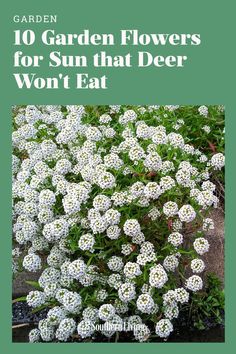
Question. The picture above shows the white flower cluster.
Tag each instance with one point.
(101, 203)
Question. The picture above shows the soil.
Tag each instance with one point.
(214, 259)
(22, 313)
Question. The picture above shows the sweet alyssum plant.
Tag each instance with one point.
(105, 203)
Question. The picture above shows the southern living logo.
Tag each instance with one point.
(117, 327)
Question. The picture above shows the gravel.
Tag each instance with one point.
(22, 313)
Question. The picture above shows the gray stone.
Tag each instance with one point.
(20, 287)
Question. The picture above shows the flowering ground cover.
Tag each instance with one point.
(111, 204)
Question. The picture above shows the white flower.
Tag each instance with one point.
(113, 161)
(106, 312)
(167, 166)
(109, 133)
(48, 276)
(203, 111)
(141, 332)
(145, 303)
(194, 283)
(45, 215)
(171, 107)
(136, 153)
(153, 161)
(98, 225)
(176, 239)
(138, 238)
(106, 180)
(101, 202)
(181, 295)
(152, 190)
(169, 298)
(114, 280)
(197, 265)
(35, 298)
(127, 248)
(164, 328)
(55, 315)
(131, 227)
(201, 245)
(32, 262)
(46, 330)
(86, 242)
(143, 131)
(65, 329)
(55, 230)
(34, 335)
(217, 161)
(157, 276)
(115, 263)
(129, 116)
(132, 270)
(127, 292)
(177, 225)
(105, 118)
(77, 269)
(208, 224)
(71, 204)
(90, 313)
(113, 232)
(147, 248)
(170, 263)
(171, 311)
(154, 214)
(187, 213)
(137, 189)
(183, 177)
(159, 136)
(47, 198)
(112, 216)
(167, 183)
(170, 209)
(63, 166)
(205, 198)
(85, 328)
(176, 140)
(50, 289)
(72, 301)
(115, 108)
(101, 295)
(206, 129)
(93, 134)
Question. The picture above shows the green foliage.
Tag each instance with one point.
(34, 284)
(206, 307)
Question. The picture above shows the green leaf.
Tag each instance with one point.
(37, 309)
(35, 284)
(19, 299)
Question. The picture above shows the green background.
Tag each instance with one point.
(207, 78)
